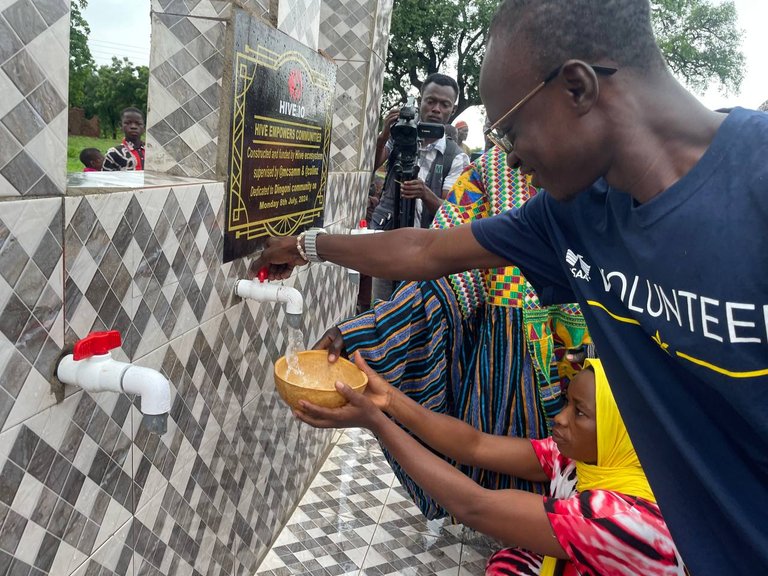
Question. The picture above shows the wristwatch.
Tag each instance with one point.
(310, 244)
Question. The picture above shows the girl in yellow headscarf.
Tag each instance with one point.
(600, 517)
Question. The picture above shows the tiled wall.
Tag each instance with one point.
(34, 40)
(300, 19)
(84, 488)
(355, 34)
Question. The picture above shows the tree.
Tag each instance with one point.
(115, 87)
(81, 65)
(699, 39)
(427, 37)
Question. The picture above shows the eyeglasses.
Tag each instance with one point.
(499, 138)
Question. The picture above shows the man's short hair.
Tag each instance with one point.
(440, 80)
(131, 109)
(588, 30)
(89, 154)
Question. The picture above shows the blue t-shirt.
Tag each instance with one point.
(675, 294)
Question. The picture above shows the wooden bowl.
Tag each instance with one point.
(318, 382)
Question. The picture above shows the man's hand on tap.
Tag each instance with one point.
(280, 256)
(333, 341)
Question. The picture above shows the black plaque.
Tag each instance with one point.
(283, 95)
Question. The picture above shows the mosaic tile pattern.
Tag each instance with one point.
(334, 194)
(329, 297)
(355, 519)
(346, 28)
(66, 482)
(355, 35)
(358, 201)
(300, 19)
(347, 195)
(146, 263)
(31, 314)
(351, 76)
(186, 67)
(84, 488)
(210, 8)
(34, 48)
(370, 130)
(72, 479)
(381, 28)
(199, 8)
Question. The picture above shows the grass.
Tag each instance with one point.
(75, 145)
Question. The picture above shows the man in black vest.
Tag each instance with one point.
(440, 164)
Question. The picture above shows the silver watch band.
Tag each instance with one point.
(310, 244)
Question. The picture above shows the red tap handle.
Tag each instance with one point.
(263, 274)
(363, 223)
(96, 344)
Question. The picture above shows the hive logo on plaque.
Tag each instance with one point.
(282, 112)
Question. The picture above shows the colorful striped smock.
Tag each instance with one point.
(475, 345)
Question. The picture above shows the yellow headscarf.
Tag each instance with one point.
(618, 468)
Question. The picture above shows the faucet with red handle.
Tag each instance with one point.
(96, 344)
(92, 368)
(265, 291)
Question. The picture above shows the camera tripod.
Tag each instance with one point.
(404, 211)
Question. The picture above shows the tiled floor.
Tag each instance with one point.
(356, 520)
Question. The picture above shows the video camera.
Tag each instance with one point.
(406, 134)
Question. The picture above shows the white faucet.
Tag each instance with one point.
(264, 291)
(92, 368)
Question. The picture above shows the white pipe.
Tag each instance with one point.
(96, 374)
(268, 292)
(153, 387)
(104, 374)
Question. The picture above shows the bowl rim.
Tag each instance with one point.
(283, 360)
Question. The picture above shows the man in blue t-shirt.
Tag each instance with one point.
(655, 220)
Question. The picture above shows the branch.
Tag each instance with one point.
(413, 75)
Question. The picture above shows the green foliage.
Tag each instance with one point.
(701, 42)
(75, 145)
(106, 90)
(429, 36)
(116, 87)
(698, 37)
(81, 66)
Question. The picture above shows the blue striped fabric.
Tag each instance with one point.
(456, 351)
(419, 342)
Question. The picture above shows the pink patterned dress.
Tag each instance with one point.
(604, 533)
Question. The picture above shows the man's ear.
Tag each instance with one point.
(582, 85)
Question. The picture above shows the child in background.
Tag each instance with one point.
(92, 159)
(600, 516)
(129, 155)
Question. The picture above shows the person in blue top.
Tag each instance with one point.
(655, 220)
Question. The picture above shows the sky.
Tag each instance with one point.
(119, 28)
(123, 29)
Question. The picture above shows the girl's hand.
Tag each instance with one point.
(378, 391)
(358, 412)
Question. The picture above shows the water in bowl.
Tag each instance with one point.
(323, 377)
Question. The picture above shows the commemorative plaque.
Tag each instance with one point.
(280, 132)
